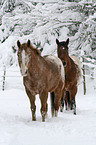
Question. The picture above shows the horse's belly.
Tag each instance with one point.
(52, 88)
(54, 81)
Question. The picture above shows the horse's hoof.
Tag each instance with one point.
(43, 119)
(71, 108)
(61, 110)
(66, 108)
(33, 119)
(43, 116)
(74, 113)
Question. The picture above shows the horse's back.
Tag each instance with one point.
(78, 63)
(57, 62)
(56, 66)
(76, 60)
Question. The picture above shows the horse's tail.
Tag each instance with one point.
(52, 95)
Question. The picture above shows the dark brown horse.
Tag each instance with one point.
(40, 76)
(72, 75)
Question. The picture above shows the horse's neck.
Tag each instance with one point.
(70, 67)
(68, 64)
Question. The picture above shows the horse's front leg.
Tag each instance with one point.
(73, 105)
(32, 103)
(62, 101)
(72, 99)
(33, 108)
(67, 100)
(43, 97)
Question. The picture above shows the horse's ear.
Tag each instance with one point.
(28, 43)
(67, 41)
(18, 44)
(57, 41)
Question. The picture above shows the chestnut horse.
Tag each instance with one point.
(40, 76)
(72, 75)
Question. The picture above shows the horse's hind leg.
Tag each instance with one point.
(62, 101)
(74, 107)
(66, 100)
(57, 101)
(52, 96)
(62, 105)
(32, 103)
(58, 95)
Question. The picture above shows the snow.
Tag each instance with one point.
(42, 21)
(17, 128)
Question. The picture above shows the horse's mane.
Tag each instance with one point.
(25, 45)
(35, 49)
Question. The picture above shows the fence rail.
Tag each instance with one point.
(11, 78)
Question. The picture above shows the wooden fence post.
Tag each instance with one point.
(3, 87)
(84, 81)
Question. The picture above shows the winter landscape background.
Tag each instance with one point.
(42, 21)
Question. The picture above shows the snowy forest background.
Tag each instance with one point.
(42, 21)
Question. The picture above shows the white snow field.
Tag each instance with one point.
(16, 127)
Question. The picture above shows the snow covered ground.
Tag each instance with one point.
(16, 127)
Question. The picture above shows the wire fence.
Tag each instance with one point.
(10, 78)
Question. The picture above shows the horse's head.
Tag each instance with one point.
(24, 55)
(62, 50)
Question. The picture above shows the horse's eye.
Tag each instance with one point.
(18, 54)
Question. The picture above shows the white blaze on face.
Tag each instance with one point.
(63, 48)
(24, 64)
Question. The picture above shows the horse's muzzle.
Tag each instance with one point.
(24, 74)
